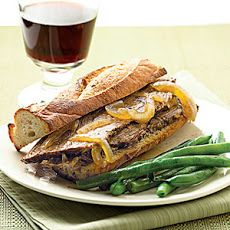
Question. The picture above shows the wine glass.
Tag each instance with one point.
(57, 36)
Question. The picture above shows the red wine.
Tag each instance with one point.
(58, 32)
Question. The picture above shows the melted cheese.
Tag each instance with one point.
(140, 108)
(188, 105)
(96, 155)
(101, 142)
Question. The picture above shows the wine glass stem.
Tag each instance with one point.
(57, 79)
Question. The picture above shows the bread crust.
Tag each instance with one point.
(95, 90)
(100, 91)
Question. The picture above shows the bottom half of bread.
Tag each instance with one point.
(122, 156)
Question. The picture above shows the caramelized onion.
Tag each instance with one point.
(102, 142)
(74, 161)
(117, 110)
(130, 110)
(146, 115)
(53, 137)
(96, 155)
(96, 124)
(50, 140)
(161, 96)
(188, 105)
(64, 158)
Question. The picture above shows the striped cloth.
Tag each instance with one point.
(52, 213)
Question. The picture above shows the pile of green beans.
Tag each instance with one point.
(189, 175)
(189, 163)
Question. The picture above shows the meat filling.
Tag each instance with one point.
(125, 138)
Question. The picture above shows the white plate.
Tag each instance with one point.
(211, 118)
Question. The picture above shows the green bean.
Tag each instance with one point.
(167, 174)
(143, 184)
(190, 150)
(220, 137)
(134, 163)
(164, 189)
(206, 161)
(150, 176)
(201, 140)
(211, 141)
(140, 185)
(197, 141)
(177, 171)
(118, 188)
(191, 178)
(182, 145)
(198, 150)
(189, 169)
(152, 166)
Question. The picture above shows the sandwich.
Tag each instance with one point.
(91, 92)
(121, 112)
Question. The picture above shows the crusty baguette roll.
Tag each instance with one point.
(91, 92)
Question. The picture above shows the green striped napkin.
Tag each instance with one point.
(53, 213)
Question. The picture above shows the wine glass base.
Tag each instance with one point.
(38, 93)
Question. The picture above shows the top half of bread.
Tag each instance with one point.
(95, 90)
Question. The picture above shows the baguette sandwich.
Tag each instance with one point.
(90, 93)
(114, 120)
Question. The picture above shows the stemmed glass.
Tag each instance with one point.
(57, 36)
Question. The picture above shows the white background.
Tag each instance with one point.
(144, 12)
